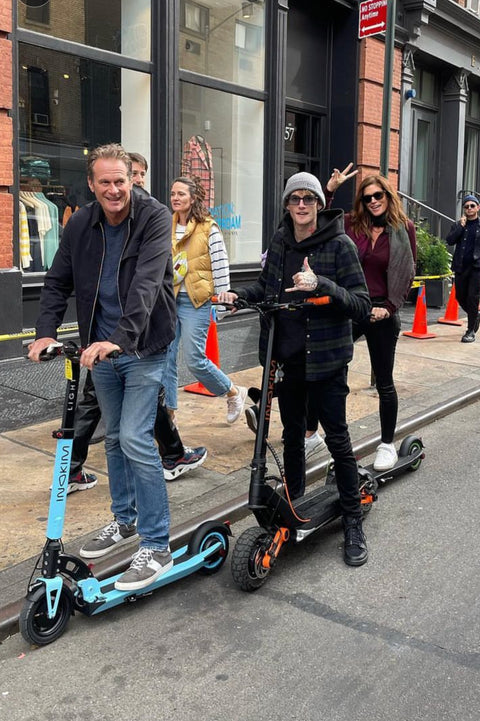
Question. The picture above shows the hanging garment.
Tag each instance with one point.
(24, 237)
(197, 160)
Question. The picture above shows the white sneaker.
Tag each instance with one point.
(385, 458)
(314, 444)
(235, 404)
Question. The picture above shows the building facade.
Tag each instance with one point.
(242, 94)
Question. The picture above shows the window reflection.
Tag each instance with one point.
(67, 105)
(224, 40)
(121, 26)
(222, 143)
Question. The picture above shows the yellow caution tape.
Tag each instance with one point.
(30, 333)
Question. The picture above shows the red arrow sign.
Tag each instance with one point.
(372, 17)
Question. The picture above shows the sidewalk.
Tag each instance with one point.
(428, 372)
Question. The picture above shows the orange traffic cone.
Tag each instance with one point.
(419, 329)
(451, 312)
(212, 352)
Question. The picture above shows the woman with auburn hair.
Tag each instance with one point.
(386, 243)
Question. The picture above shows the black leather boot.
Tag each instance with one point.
(355, 550)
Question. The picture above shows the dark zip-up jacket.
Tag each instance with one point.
(458, 237)
(144, 278)
(323, 332)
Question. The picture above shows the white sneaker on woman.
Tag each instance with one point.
(385, 458)
(314, 444)
(235, 404)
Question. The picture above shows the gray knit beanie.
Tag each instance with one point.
(470, 198)
(303, 181)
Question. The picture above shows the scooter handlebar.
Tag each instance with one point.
(241, 303)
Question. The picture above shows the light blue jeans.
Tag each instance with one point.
(192, 327)
(127, 391)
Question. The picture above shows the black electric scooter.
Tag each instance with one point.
(280, 519)
(62, 583)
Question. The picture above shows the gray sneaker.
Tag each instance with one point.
(111, 537)
(147, 565)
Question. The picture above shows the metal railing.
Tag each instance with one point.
(434, 217)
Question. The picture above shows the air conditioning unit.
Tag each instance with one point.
(40, 119)
(473, 6)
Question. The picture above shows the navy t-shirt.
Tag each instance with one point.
(107, 309)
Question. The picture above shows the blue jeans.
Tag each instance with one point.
(192, 326)
(127, 390)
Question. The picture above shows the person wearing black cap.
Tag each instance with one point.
(465, 236)
(310, 255)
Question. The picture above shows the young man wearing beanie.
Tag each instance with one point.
(465, 235)
(310, 255)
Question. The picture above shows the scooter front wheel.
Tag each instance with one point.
(35, 625)
(248, 570)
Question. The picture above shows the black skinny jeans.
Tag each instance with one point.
(87, 416)
(381, 338)
(327, 400)
(467, 291)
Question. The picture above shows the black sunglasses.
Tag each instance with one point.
(377, 196)
(469, 206)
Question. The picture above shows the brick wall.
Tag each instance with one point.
(370, 101)
(6, 137)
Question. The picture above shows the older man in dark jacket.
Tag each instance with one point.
(116, 255)
(314, 345)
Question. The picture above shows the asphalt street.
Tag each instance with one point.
(395, 639)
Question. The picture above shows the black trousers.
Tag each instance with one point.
(467, 291)
(382, 337)
(327, 402)
(381, 340)
(87, 416)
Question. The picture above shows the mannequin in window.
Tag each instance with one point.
(197, 161)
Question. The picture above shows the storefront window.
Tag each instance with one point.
(222, 142)
(68, 104)
(121, 26)
(224, 40)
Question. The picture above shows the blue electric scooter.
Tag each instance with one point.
(62, 583)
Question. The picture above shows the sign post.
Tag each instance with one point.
(377, 16)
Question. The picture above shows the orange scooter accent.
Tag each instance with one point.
(281, 536)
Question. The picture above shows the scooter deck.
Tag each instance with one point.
(95, 596)
(402, 465)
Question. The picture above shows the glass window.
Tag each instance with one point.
(224, 39)
(426, 86)
(473, 106)
(222, 143)
(67, 105)
(122, 26)
(470, 170)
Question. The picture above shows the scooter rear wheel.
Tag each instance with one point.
(409, 446)
(247, 569)
(35, 625)
(204, 539)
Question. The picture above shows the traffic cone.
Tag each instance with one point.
(419, 329)
(451, 312)
(212, 352)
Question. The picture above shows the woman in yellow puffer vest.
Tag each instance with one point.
(200, 269)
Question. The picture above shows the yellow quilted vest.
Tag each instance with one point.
(199, 278)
